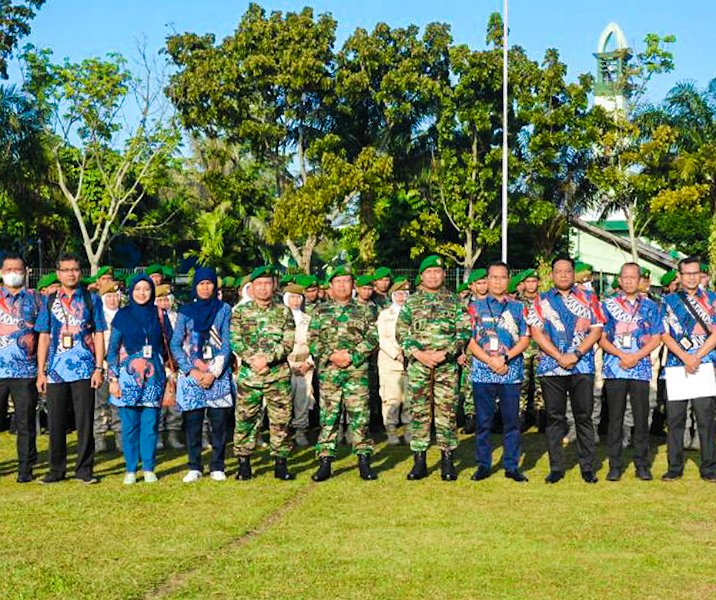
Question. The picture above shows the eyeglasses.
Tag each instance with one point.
(690, 273)
(70, 270)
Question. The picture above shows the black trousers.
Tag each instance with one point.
(676, 421)
(617, 391)
(555, 391)
(24, 397)
(81, 395)
(194, 422)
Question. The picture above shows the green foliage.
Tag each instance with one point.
(15, 17)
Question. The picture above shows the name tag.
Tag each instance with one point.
(146, 351)
(686, 343)
(67, 341)
(494, 343)
(627, 341)
(208, 352)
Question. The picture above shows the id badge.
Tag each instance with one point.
(67, 341)
(494, 343)
(627, 341)
(208, 352)
(146, 351)
(686, 343)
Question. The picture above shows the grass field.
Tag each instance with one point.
(349, 539)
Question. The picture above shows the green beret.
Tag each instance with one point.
(105, 271)
(287, 278)
(476, 275)
(400, 279)
(46, 281)
(431, 261)
(168, 272)
(582, 267)
(462, 287)
(512, 285)
(363, 280)
(704, 268)
(264, 271)
(88, 280)
(668, 277)
(417, 280)
(382, 272)
(153, 269)
(306, 281)
(644, 272)
(229, 281)
(527, 273)
(339, 271)
(615, 283)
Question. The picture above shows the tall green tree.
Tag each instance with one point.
(15, 18)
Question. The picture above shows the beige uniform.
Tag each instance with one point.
(391, 372)
(301, 385)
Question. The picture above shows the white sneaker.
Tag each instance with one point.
(130, 478)
(150, 477)
(217, 476)
(192, 476)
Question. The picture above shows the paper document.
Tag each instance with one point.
(681, 385)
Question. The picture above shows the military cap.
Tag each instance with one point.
(263, 271)
(229, 281)
(527, 273)
(582, 267)
(244, 280)
(154, 269)
(168, 272)
(339, 271)
(88, 280)
(644, 272)
(287, 278)
(46, 281)
(163, 290)
(615, 283)
(293, 288)
(110, 287)
(463, 287)
(105, 271)
(668, 277)
(363, 280)
(400, 283)
(476, 275)
(306, 281)
(381, 272)
(417, 279)
(512, 285)
(704, 267)
(431, 261)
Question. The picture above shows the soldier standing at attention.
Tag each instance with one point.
(432, 329)
(382, 279)
(365, 297)
(527, 296)
(342, 337)
(262, 335)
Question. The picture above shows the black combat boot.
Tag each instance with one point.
(469, 427)
(324, 468)
(420, 468)
(447, 468)
(244, 472)
(280, 470)
(366, 473)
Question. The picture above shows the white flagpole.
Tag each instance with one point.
(504, 132)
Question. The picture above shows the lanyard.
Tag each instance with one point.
(504, 307)
(625, 305)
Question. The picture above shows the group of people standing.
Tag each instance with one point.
(209, 366)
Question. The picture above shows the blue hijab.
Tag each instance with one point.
(203, 312)
(139, 323)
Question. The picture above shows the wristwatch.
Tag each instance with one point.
(578, 354)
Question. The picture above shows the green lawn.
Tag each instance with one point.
(349, 539)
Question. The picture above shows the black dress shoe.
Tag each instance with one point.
(364, 468)
(517, 476)
(51, 478)
(671, 476)
(589, 477)
(644, 473)
(709, 477)
(24, 477)
(280, 470)
(614, 475)
(554, 477)
(420, 467)
(481, 473)
(324, 469)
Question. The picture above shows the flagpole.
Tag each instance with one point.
(504, 132)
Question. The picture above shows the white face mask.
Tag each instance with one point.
(13, 279)
(587, 285)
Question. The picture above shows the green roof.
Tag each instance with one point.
(610, 225)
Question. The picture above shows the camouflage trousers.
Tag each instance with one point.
(530, 384)
(249, 402)
(106, 415)
(344, 388)
(432, 395)
(465, 396)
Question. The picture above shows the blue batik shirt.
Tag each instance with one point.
(505, 320)
(630, 326)
(70, 315)
(18, 339)
(684, 328)
(187, 350)
(567, 320)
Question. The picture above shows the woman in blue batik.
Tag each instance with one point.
(201, 347)
(135, 361)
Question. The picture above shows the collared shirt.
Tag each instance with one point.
(18, 340)
(684, 328)
(567, 321)
(70, 315)
(630, 326)
(505, 320)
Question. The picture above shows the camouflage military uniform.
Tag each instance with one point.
(374, 403)
(465, 386)
(433, 321)
(348, 327)
(530, 382)
(268, 331)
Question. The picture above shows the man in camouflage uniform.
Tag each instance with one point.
(530, 384)
(365, 296)
(342, 337)
(262, 336)
(382, 280)
(433, 328)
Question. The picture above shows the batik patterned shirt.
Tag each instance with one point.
(18, 339)
(684, 328)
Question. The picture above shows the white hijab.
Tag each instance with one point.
(297, 313)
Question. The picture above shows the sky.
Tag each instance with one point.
(79, 29)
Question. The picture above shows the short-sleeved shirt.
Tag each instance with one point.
(630, 326)
(69, 314)
(18, 340)
(505, 320)
(684, 328)
(567, 320)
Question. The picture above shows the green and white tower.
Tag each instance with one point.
(613, 53)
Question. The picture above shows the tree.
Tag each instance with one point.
(103, 170)
(15, 20)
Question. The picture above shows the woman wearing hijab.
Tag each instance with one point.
(201, 347)
(135, 362)
(301, 364)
